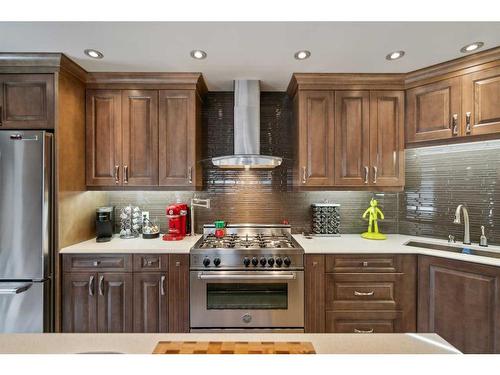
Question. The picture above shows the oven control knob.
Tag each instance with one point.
(246, 261)
(287, 261)
(255, 261)
(263, 262)
(206, 262)
(279, 261)
(217, 262)
(270, 261)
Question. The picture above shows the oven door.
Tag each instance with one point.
(247, 299)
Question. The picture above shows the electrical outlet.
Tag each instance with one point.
(145, 216)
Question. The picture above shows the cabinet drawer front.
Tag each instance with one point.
(150, 262)
(363, 322)
(101, 262)
(363, 263)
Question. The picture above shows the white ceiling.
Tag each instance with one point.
(250, 50)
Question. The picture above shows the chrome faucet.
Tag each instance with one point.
(466, 222)
(197, 202)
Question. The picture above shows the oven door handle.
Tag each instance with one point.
(243, 276)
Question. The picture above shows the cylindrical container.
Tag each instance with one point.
(325, 219)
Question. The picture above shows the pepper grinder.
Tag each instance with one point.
(483, 241)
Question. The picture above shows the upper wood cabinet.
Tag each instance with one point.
(316, 138)
(27, 101)
(433, 111)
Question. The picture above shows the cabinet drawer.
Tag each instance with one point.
(97, 262)
(150, 262)
(363, 263)
(363, 291)
(363, 322)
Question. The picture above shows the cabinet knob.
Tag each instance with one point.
(177, 264)
(365, 264)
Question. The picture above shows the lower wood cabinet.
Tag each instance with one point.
(125, 293)
(365, 322)
(460, 301)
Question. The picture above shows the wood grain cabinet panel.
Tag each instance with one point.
(387, 138)
(314, 271)
(177, 138)
(104, 138)
(150, 303)
(79, 302)
(316, 133)
(460, 301)
(481, 102)
(140, 137)
(352, 137)
(364, 322)
(178, 293)
(27, 101)
(114, 302)
(430, 110)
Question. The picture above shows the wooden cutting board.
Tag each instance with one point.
(233, 347)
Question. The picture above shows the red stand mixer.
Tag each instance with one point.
(177, 215)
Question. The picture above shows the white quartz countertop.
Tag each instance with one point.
(345, 244)
(337, 343)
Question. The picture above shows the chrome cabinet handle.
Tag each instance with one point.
(454, 124)
(91, 285)
(467, 123)
(363, 330)
(304, 178)
(1, 113)
(125, 174)
(244, 276)
(190, 174)
(375, 171)
(101, 281)
(117, 174)
(367, 171)
(370, 293)
(162, 285)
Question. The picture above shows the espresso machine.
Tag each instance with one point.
(104, 224)
(178, 222)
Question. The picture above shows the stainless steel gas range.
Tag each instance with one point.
(252, 278)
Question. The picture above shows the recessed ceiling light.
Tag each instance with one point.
(93, 53)
(395, 55)
(198, 54)
(302, 55)
(471, 47)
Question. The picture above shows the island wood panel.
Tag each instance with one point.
(178, 293)
(114, 302)
(352, 138)
(140, 137)
(27, 101)
(104, 138)
(460, 301)
(150, 302)
(314, 287)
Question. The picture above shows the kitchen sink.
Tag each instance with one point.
(454, 249)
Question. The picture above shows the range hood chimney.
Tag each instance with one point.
(246, 131)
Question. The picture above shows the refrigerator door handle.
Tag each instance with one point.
(15, 288)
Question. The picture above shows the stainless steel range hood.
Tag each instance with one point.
(246, 131)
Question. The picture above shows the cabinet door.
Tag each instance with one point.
(140, 137)
(150, 303)
(481, 105)
(79, 302)
(316, 138)
(431, 109)
(178, 293)
(460, 301)
(352, 138)
(114, 302)
(314, 271)
(177, 138)
(27, 101)
(104, 138)
(387, 138)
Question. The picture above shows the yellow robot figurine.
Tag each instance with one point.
(374, 212)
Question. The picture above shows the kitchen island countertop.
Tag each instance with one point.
(143, 343)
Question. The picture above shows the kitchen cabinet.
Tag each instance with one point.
(373, 293)
(481, 102)
(27, 101)
(125, 293)
(460, 301)
(433, 111)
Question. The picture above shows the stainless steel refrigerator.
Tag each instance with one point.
(25, 231)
